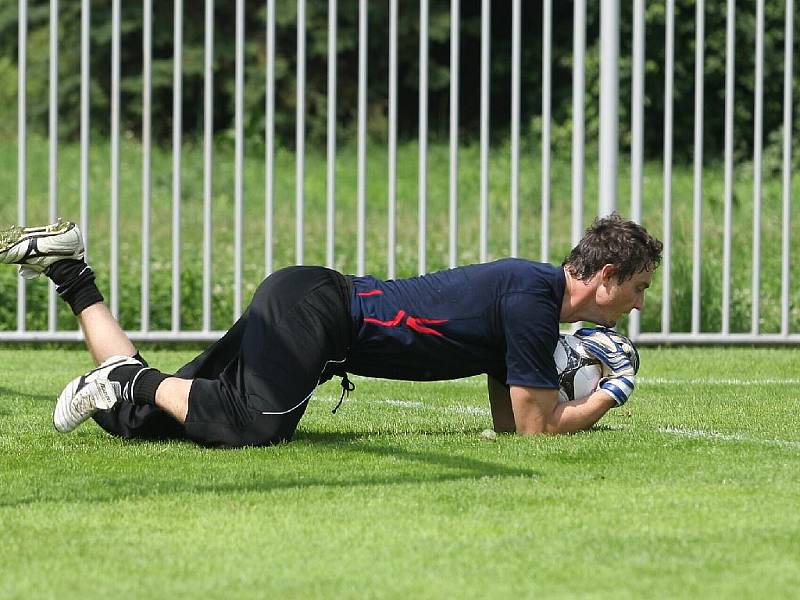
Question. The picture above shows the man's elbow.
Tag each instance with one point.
(538, 427)
(548, 427)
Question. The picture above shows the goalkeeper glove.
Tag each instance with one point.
(619, 357)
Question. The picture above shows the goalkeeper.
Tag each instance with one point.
(307, 324)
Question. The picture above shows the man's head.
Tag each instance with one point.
(617, 257)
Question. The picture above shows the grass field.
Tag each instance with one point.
(691, 490)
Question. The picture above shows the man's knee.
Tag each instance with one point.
(220, 415)
(263, 430)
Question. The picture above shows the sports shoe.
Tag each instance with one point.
(87, 394)
(34, 249)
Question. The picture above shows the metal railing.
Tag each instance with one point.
(608, 154)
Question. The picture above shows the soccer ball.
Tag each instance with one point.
(579, 372)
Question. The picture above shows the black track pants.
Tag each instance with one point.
(252, 386)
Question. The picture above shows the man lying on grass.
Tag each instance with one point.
(306, 324)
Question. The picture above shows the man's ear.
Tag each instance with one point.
(608, 274)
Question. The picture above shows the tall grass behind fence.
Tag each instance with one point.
(437, 241)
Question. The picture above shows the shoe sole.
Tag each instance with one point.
(11, 236)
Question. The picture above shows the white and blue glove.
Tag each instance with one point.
(619, 357)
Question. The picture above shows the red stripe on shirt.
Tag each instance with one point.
(398, 318)
(418, 325)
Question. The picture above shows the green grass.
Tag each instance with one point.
(283, 242)
(691, 490)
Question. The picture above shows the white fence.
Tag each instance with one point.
(608, 167)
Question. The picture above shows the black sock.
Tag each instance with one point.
(139, 384)
(74, 281)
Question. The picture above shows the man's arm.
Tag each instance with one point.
(537, 410)
(500, 402)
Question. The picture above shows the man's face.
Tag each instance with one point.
(615, 299)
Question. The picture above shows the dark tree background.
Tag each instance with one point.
(347, 67)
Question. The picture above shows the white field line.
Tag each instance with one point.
(658, 381)
(717, 435)
(717, 381)
(728, 437)
(414, 404)
(485, 412)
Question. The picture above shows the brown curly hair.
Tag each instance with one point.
(617, 241)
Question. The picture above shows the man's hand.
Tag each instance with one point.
(619, 357)
(612, 349)
(619, 388)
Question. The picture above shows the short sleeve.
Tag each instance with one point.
(531, 330)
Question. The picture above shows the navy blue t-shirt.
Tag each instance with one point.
(499, 318)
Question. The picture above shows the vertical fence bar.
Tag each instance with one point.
(637, 112)
(208, 156)
(757, 153)
(609, 105)
(147, 86)
(391, 226)
(177, 124)
(330, 249)
(238, 195)
(698, 162)
(578, 125)
(516, 25)
(22, 143)
(362, 138)
(53, 149)
(730, 56)
(637, 132)
(116, 18)
(423, 136)
(486, 16)
(269, 140)
(547, 51)
(84, 135)
(787, 164)
(669, 73)
(300, 132)
(453, 189)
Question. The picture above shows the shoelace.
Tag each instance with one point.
(347, 387)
